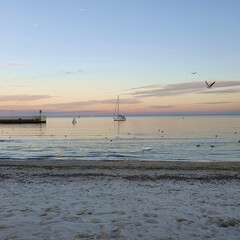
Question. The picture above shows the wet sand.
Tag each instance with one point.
(119, 201)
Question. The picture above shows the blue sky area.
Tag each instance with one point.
(112, 45)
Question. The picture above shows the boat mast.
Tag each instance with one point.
(118, 106)
(116, 109)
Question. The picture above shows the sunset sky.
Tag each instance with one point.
(73, 57)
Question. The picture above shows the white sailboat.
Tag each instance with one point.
(117, 116)
(74, 121)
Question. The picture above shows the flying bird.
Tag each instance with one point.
(194, 73)
(209, 86)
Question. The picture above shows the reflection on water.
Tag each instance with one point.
(214, 138)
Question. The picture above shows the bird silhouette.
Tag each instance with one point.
(209, 85)
(194, 73)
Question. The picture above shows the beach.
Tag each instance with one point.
(119, 200)
(119, 120)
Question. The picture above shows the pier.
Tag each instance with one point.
(23, 119)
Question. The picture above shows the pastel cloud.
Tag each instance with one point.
(148, 86)
(158, 90)
(214, 103)
(161, 107)
(13, 64)
(62, 109)
(73, 105)
(225, 91)
(67, 73)
(19, 86)
(23, 97)
(26, 111)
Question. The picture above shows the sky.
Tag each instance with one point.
(73, 57)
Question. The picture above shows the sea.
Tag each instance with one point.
(178, 138)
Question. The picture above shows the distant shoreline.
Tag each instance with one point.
(164, 115)
(71, 115)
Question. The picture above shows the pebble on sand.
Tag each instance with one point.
(48, 209)
(6, 226)
(224, 224)
(95, 220)
(85, 212)
(83, 236)
(166, 238)
(150, 215)
(181, 219)
(229, 222)
(104, 235)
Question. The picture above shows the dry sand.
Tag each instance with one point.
(119, 202)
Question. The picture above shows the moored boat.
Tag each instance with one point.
(117, 116)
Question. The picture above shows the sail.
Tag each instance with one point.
(116, 111)
(117, 116)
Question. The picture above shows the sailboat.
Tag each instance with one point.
(117, 116)
(74, 121)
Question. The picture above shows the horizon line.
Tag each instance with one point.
(136, 115)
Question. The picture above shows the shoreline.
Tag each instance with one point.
(124, 164)
(128, 170)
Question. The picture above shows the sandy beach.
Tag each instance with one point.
(131, 200)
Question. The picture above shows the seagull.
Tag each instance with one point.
(145, 148)
(194, 73)
(209, 86)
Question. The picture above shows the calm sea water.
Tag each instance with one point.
(171, 138)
